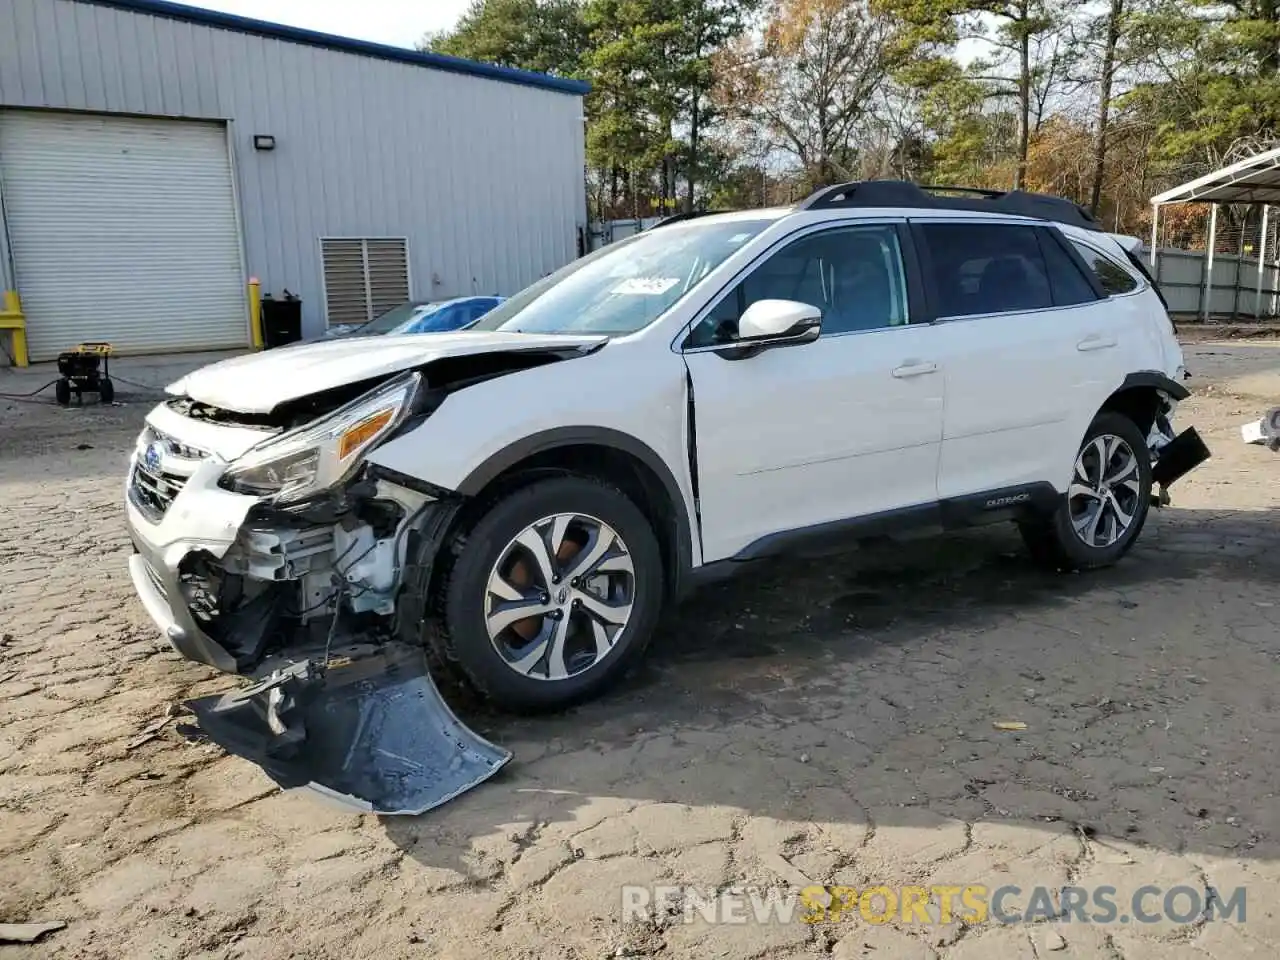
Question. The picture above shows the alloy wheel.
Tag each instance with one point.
(1105, 492)
(559, 596)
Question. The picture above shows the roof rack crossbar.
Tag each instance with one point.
(900, 193)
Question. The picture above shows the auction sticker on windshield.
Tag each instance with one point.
(646, 286)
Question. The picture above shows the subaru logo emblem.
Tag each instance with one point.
(151, 458)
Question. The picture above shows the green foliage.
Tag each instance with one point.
(548, 36)
(737, 102)
(650, 62)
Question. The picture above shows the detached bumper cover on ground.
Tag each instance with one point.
(373, 735)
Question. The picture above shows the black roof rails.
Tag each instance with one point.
(900, 193)
(680, 217)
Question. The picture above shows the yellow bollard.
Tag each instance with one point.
(255, 312)
(11, 319)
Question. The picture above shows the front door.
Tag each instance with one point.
(844, 427)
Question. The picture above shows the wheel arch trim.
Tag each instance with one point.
(558, 437)
(1156, 380)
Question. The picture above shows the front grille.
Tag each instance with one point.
(156, 581)
(153, 493)
(162, 468)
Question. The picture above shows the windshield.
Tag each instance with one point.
(625, 286)
(393, 318)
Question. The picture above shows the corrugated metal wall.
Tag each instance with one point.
(1238, 292)
(484, 177)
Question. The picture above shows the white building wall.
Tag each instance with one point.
(483, 176)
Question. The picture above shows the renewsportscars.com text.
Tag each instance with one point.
(970, 904)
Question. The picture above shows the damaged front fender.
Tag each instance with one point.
(372, 735)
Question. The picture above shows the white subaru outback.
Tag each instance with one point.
(524, 496)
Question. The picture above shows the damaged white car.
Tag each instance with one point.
(524, 497)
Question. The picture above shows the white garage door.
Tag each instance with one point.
(122, 230)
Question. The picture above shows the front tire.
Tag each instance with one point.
(1106, 505)
(553, 594)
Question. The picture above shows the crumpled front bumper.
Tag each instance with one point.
(369, 732)
(203, 518)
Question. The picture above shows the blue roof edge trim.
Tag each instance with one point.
(313, 38)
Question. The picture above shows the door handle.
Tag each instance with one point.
(1095, 342)
(914, 368)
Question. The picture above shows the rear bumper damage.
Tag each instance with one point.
(1179, 457)
(1173, 456)
(322, 606)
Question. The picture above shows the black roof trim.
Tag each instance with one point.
(900, 193)
(682, 217)
(312, 38)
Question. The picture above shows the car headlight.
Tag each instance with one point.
(325, 452)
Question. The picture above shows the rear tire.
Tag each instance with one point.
(1098, 520)
(106, 391)
(62, 392)
(579, 556)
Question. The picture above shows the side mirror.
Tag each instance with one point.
(779, 322)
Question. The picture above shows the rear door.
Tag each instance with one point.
(1029, 346)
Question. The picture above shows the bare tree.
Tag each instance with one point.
(1112, 26)
(810, 79)
(1019, 28)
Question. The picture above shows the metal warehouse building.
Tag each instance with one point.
(154, 157)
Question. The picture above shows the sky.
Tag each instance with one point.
(400, 23)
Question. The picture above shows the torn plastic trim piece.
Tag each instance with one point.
(1264, 431)
(373, 735)
(1177, 459)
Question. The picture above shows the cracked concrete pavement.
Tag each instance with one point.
(822, 721)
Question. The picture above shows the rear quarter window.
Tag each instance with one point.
(1114, 278)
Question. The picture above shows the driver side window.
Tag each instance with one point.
(854, 275)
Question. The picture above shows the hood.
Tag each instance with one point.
(260, 382)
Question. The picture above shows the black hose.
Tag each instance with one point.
(27, 396)
(159, 391)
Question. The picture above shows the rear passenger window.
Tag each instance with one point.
(1000, 268)
(1113, 277)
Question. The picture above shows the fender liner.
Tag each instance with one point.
(546, 440)
(1156, 379)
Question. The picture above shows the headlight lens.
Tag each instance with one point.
(326, 452)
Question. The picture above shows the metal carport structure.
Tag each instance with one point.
(1254, 180)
